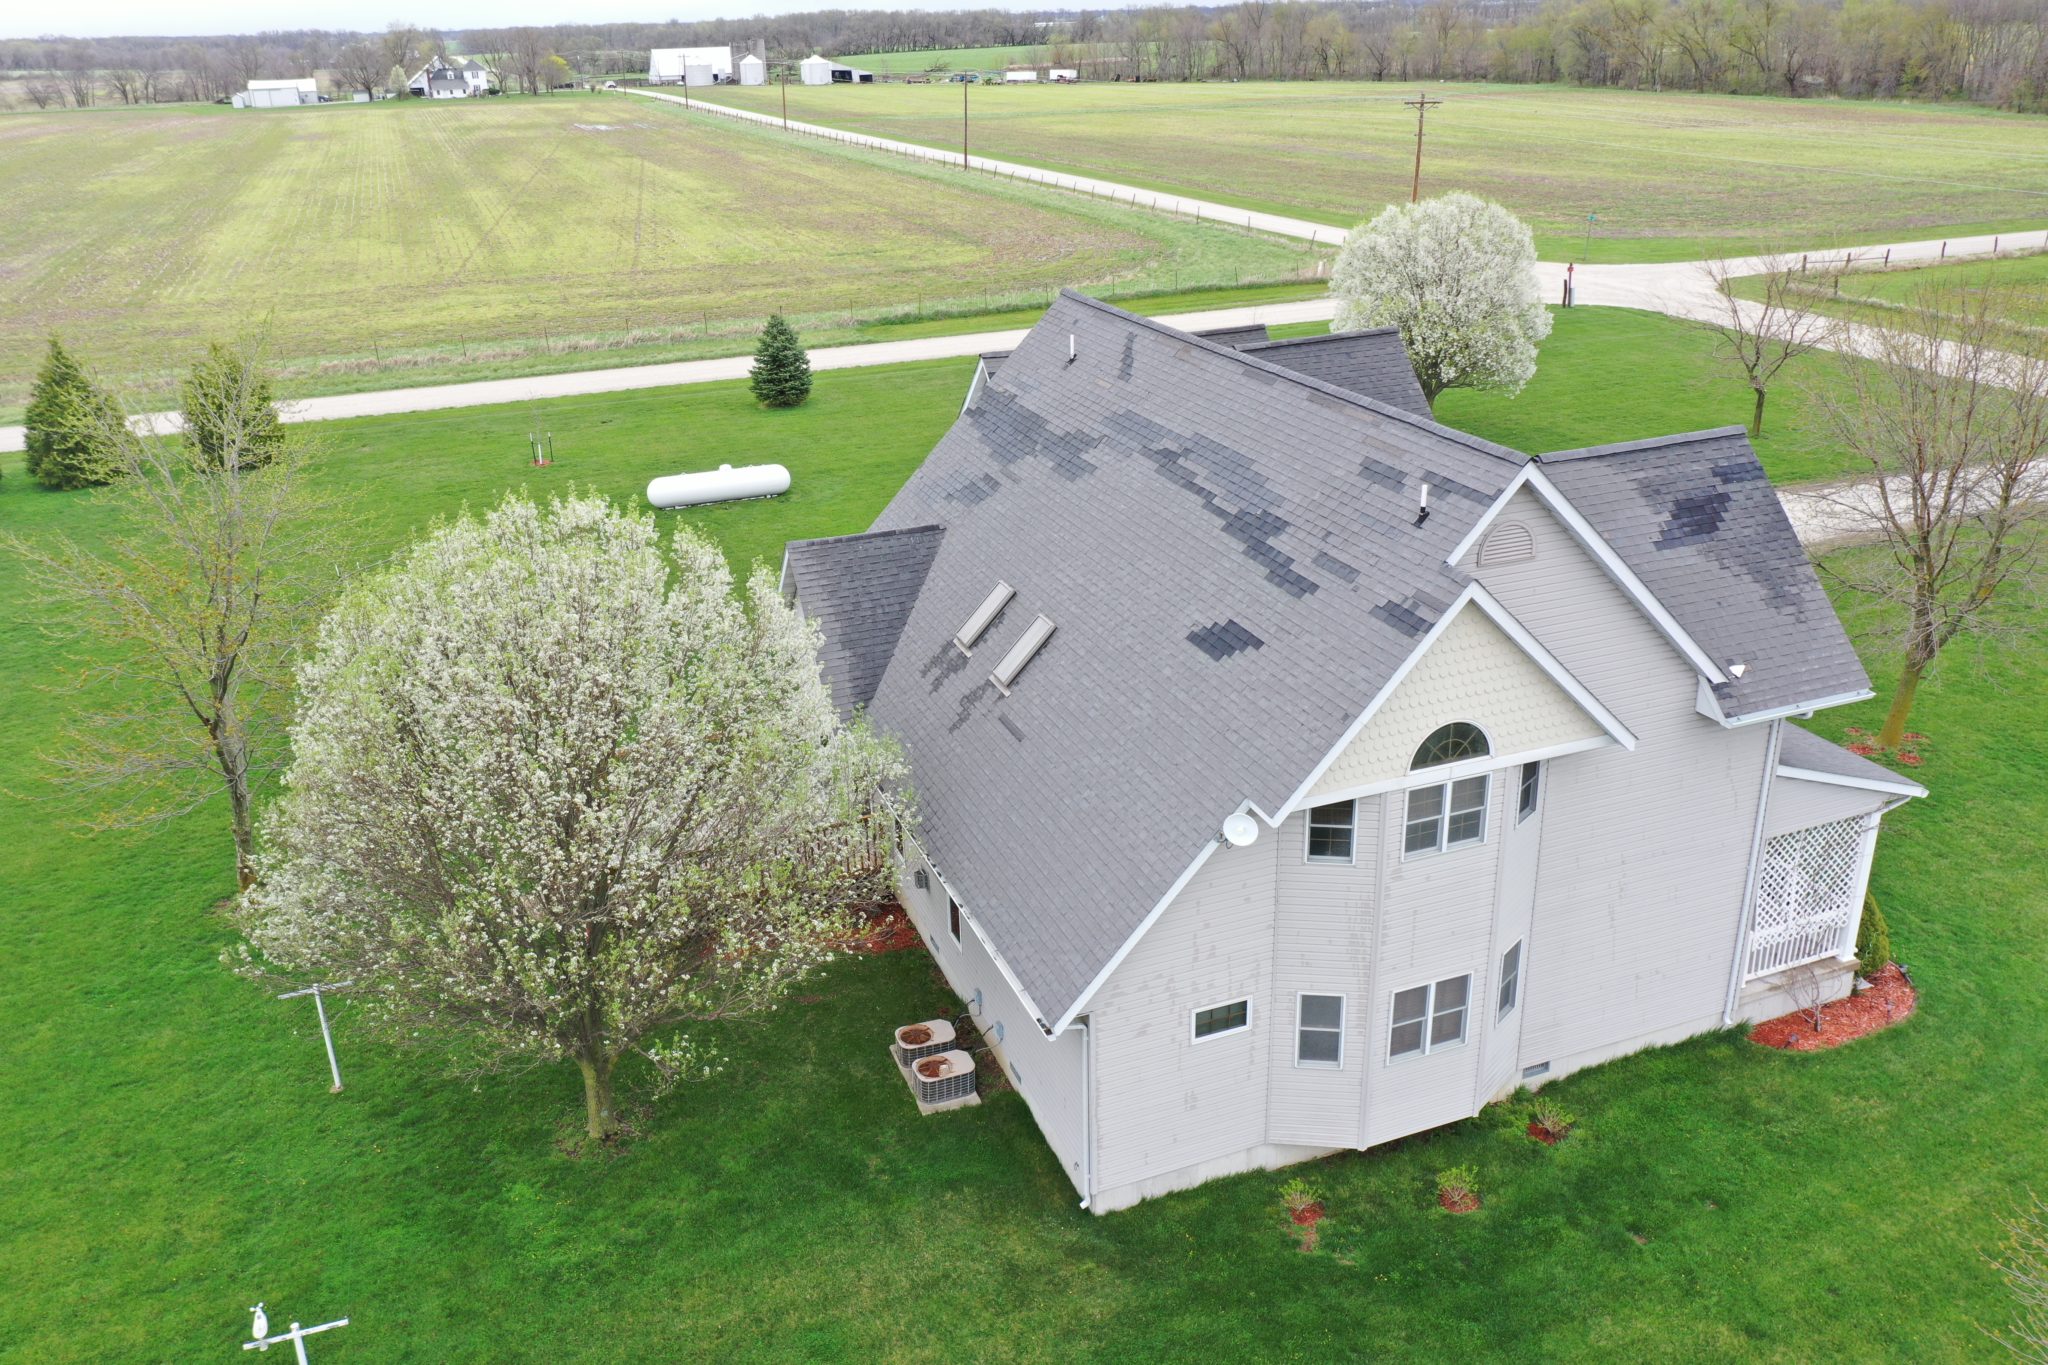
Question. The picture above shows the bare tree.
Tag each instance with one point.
(1951, 434)
(360, 66)
(1808, 989)
(1761, 336)
(196, 607)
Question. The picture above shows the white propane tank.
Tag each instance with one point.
(722, 484)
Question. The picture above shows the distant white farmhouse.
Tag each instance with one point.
(817, 70)
(689, 65)
(278, 94)
(753, 71)
(1020, 75)
(441, 79)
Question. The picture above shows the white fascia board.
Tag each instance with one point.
(1900, 787)
(974, 385)
(782, 580)
(1080, 1005)
(1532, 477)
(1470, 767)
(1475, 595)
(967, 917)
(1797, 708)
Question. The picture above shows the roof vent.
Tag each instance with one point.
(1508, 543)
(1034, 638)
(983, 614)
(1422, 505)
(1737, 670)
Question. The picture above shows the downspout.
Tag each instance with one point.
(1087, 1110)
(1756, 853)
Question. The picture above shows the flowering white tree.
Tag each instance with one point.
(552, 794)
(1457, 275)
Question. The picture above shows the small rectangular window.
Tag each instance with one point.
(1426, 1018)
(1425, 820)
(1319, 1034)
(998, 598)
(953, 917)
(1525, 802)
(1330, 830)
(1510, 980)
(1467, 824)
(1223, 1019)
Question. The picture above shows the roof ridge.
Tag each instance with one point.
(866, 535)
(1647, 443)
(1506, 454)
(1319, 336)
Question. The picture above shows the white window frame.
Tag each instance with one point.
(956, 919)
(1443, 815)
(1521, 954)
(1533, 769)
(1343, 1017)
(1308, 833)
(1199, 1010)
(1429, 1013)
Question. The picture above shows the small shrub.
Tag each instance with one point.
(781, 376)
(1457, 1189)
(1873, 938)
(1304, 1205)
(1552, 1121)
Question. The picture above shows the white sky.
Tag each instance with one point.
(104, 18)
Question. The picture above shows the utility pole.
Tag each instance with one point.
(785, 99)
(964, 83)
(1421, 104)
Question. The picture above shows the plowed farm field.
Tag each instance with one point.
(480, 230)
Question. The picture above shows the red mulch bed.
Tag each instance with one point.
(886, 929)
(1462, 1202)
(1544, 1135)
(1889, 999)
(1307, 1216)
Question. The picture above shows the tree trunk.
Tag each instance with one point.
(1902, 704)
(1756, 418)
(601, 1117)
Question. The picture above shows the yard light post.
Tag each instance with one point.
(326, 1034)
(260, 1340)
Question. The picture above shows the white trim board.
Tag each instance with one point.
(1469, 767)
(1901, 787)
(1531, 476)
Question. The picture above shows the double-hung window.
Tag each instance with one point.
(1525, 800)
(1448, 815)
(1331, 830)
(1229, 1017)
(1429, 1017)
(1319, 1031)
(1510, 981)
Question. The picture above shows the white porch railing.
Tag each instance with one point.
(1809, 894)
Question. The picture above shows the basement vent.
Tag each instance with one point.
(1507, 543)
(1033, 640)
(983, 614)
(1530, 1073)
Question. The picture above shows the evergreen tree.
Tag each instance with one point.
(228, 405)
(782, 369)
(68, 418)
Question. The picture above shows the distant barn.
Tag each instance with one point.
(817, 70)
(689, 66)
(278, 94)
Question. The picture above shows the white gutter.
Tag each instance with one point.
(1756, 853)
(1087, 1111)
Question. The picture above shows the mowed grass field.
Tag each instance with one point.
(482, 227)
(954, 58)
(1669, 176)
(169, 1153)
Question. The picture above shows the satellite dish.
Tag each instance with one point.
(1240, 829)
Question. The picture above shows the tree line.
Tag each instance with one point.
(1987, 51)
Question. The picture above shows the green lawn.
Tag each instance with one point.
(416, 241)
(169, 1153)
(1670, 176)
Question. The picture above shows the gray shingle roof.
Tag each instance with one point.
(1696, 519)
(1228, 551)
(1251, 334)
(859, 589)
(1798, 748)
(1372, 362)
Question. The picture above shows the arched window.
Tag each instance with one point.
(1458, 740)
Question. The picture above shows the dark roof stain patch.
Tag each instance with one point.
(1221, 639)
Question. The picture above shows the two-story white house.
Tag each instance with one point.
(1297, 773)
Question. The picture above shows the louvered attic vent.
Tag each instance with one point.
(983, 614)
(1034, 638)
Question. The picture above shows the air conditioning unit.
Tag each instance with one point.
(943, 1077)
(917, 1041)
